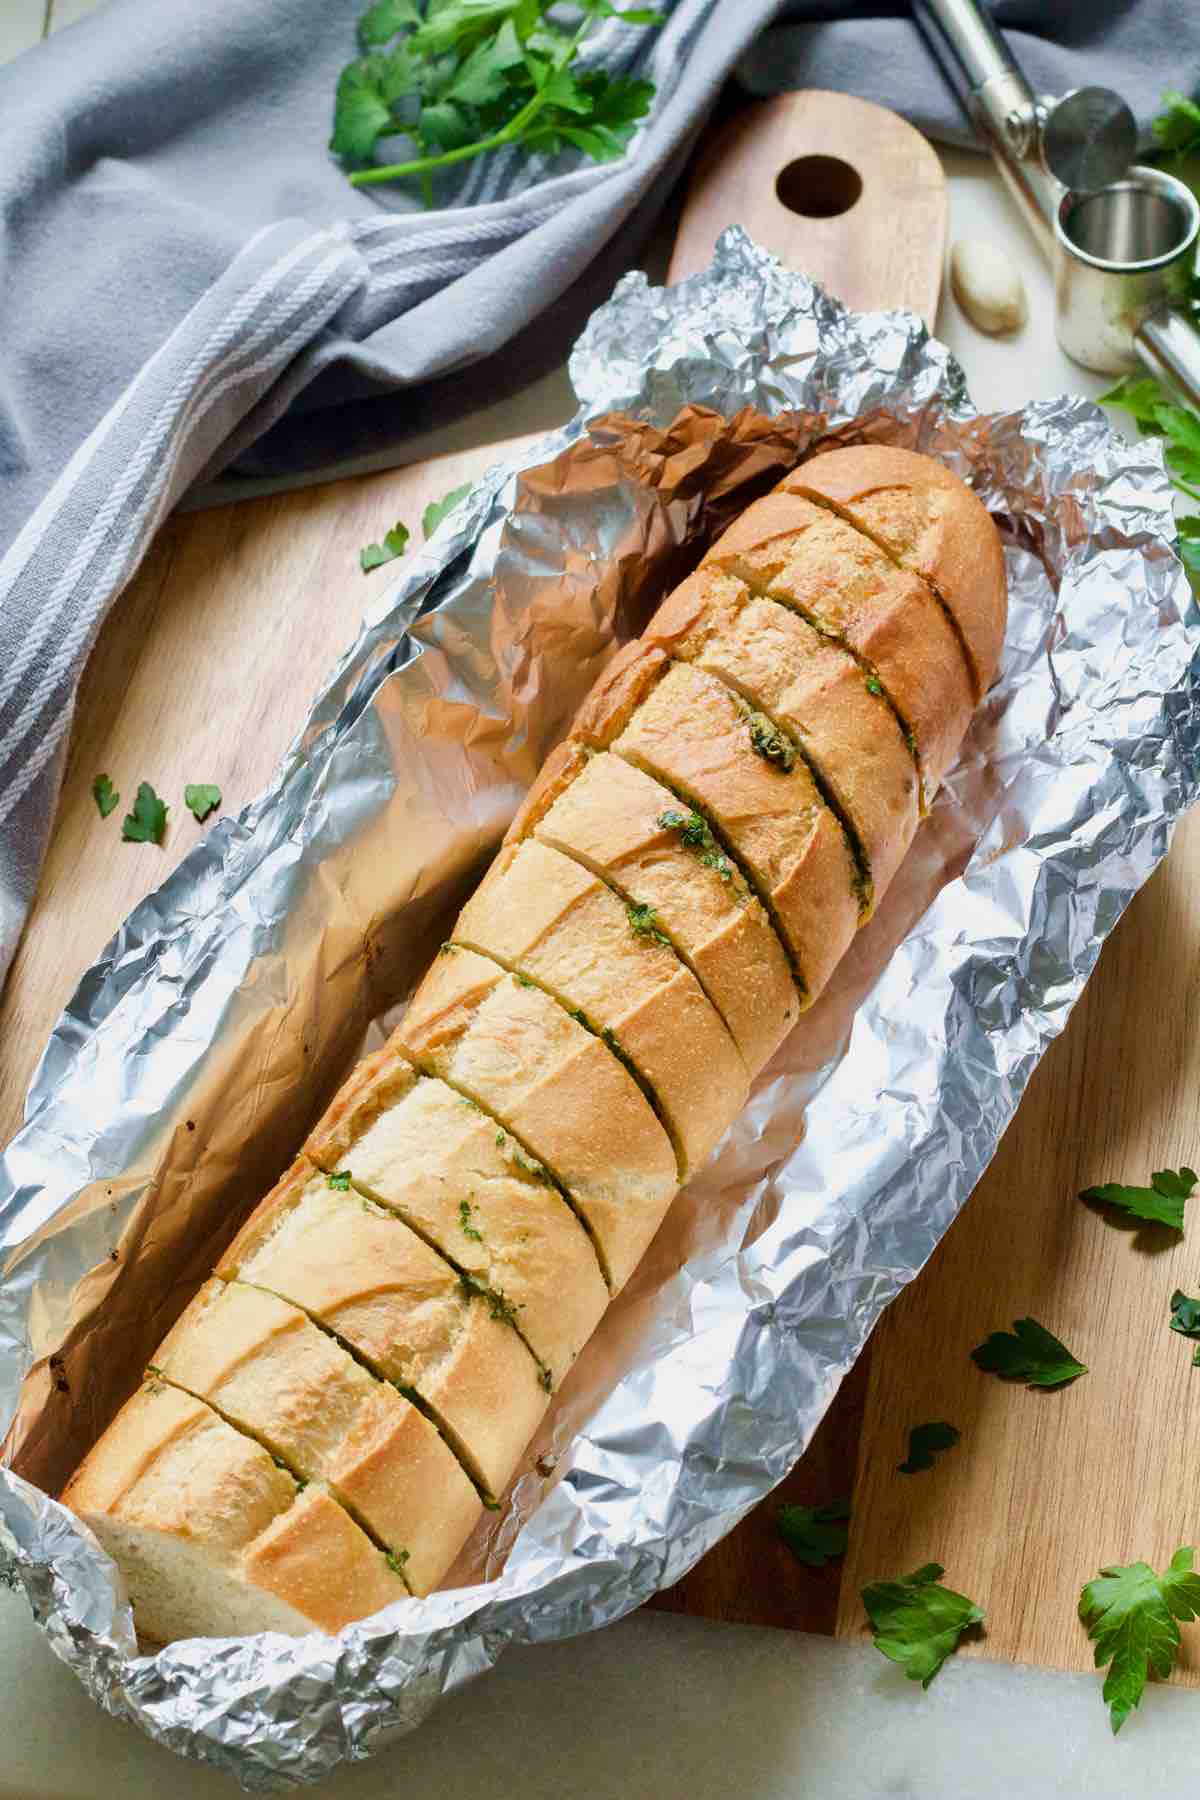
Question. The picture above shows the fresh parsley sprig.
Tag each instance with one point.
(924, 1443)
(814, 1534)
(1177, 126)
(1159, 1204)
(1131, 1615)
(917, 1622)
(461, 78)
(1028, 1353)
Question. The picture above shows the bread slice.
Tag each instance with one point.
(692, 733)
(789, 548)
(361, 1273)
(616, 820)
(574, 1108)
(543, 916)
(814, 687)
(931, 523)
(211, 1537)
(465, 1186)
(266, 1368)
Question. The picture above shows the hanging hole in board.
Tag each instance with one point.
(818, 187)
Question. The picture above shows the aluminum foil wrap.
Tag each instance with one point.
(197, 1050)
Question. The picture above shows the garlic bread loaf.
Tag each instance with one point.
(318, 1433)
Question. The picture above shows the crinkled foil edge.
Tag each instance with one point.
(1087, 752)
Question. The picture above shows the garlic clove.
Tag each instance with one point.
(987, 285)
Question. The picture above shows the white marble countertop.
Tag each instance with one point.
(661, 1705)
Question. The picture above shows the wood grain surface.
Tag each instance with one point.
(204, 672)
(812, 150)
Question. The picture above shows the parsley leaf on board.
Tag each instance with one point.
(148, 820)
(457, 79)
(1131, 1615)
(814, 1534)
(1185, 1319)
(201, 798)
(436, 511)
(105, 795)
(339, 1179)
(373, 556)
(917, 1622)
(924, 1441)
(1161, 1203)
(1028, 1353)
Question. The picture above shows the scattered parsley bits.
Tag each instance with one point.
(465, 1209)
(1161, 1203)
(373, 556)
(1131, 1615)
(498, 1304)
(395, 1560)
(642, 923)
(1185, 1319)
(464, 77)
(105, 795)
(531, 1166)
(340, 1179)
(924, 1441)
(694, 834)
(767, 741)
(874, 686)
(814, 1534)
(1028, 1353)
(201, 798)
(436, 511)
(147, 822)
(447, 949)
(917, 1622)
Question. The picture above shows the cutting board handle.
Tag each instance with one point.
(842, 190)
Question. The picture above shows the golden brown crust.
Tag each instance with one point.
(571, 1103)
(933, 524)
(316, 1559)
(547, 917)
(813, 687)
(691, 735)
(557, 773)
(379, 1081)
(626, 682)
(171, 1478)
(620, 822)
(359, 1271)
(169, 1459)
(471, 1191)
(263, 1365)
(804, 555)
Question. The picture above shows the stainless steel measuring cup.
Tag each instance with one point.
(1120, 248)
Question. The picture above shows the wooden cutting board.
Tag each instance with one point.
(206, 667)
(204, 673)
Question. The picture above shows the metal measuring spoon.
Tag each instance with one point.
(1089, 138)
